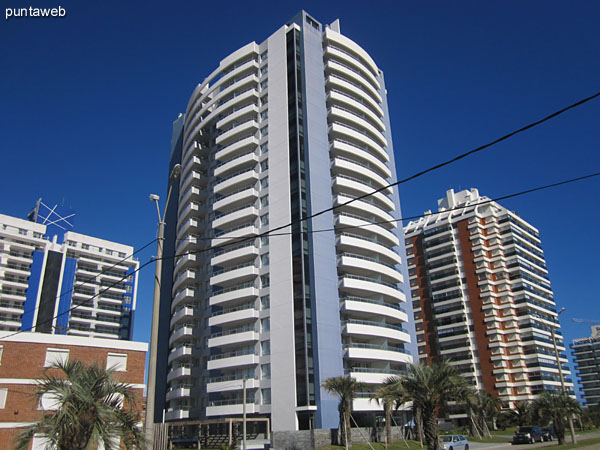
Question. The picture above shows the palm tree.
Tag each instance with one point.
(429, 387)
(91, 407)
(482, 407)
(522, 413)
(346, 389)
(390, 394)
(556, 408)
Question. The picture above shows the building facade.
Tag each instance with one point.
(46, 269)
(482, 297)
(294, 130)
(25, 357)
(586, 356)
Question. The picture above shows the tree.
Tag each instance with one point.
(91, 407)
(346, 389)
(390, 394)
(522, 413)
(556, 408)
(482, 407)
(429, 387)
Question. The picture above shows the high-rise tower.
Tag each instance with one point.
(279, 132)
(482, 297)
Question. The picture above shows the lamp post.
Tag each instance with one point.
(149, 424)
(560, 374)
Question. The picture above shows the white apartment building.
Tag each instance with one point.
(277, 133)
(46, 270)
(482, 297)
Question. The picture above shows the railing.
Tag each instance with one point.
(377, 347)
(375, 302)
(373, 324)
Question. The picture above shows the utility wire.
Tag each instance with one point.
(504, 197)
(404, 180)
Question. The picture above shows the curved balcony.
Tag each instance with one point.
(340, 84)
(345, 132)
(349, 242)
(177, 393)
(233, 255)
(373, 329)
(245, 160)
(369, 286)
(353, 151)
(358, 188)
(345, 220)
(347, 166)
(354, 76)
(248, 81)
(233, 316)
(190, 226)
(180, 372)
(183, 314)
(193, 193)
(232, 360)
(335, 53)
(347, 202)
(377, 352)
(184, 277)
(186, 295)
(235, 217)
(248, 142)
(229, 410)
(178, 413)
(242, 196)
(181, 351)
(191, 208)
(236, 234)
(232, 337)
(185, 261)
(335, 97)
(238, 179)
(345, 45)
(235, 275)
(233, 134)
(366, 307)
(234, 294)
(242, 98)
(371, 378)
(245, 112)
(366, 266)
(194, 178)
(184, 333)
(345, 115)
(222, 384)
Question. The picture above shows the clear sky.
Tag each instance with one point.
(87, 102)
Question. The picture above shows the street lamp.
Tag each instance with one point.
(560, 373)
(149, 424)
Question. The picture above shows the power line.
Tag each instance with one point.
(504, 197)
(404, 180)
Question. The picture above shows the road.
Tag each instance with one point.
(507, 445)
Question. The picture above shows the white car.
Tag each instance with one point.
(455, 442)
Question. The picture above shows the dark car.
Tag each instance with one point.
(548, 433)
(528, 435)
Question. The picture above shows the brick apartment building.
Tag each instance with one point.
(24, 357)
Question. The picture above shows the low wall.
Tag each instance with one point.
(313, 439)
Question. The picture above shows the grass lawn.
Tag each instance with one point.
(594, 443)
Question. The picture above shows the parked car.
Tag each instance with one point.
(455, 442)
(528, 435)
(548, 433)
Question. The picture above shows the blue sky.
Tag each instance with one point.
(87, 102)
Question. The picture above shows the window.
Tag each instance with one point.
(22, 232)
(117, 361)
(265, 371)
(1, 351)
(264, 201)
(265, 302)
(264, 281)
(264, 84)
(264, 115)
(264, 220)
(3, 394)
(72, 243)
(48, 402)
(264, 70)
(122, 255)
(109, 252)
(264, 148)
(265, 325)
(264, 241)
(56, 356)
(264, 259)
(264, 131)
(264, 100)
(264, 182)
(265, 348)
(85, 246)
(264, 56)
(266, 396)
(37, 235)
(264, 165)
